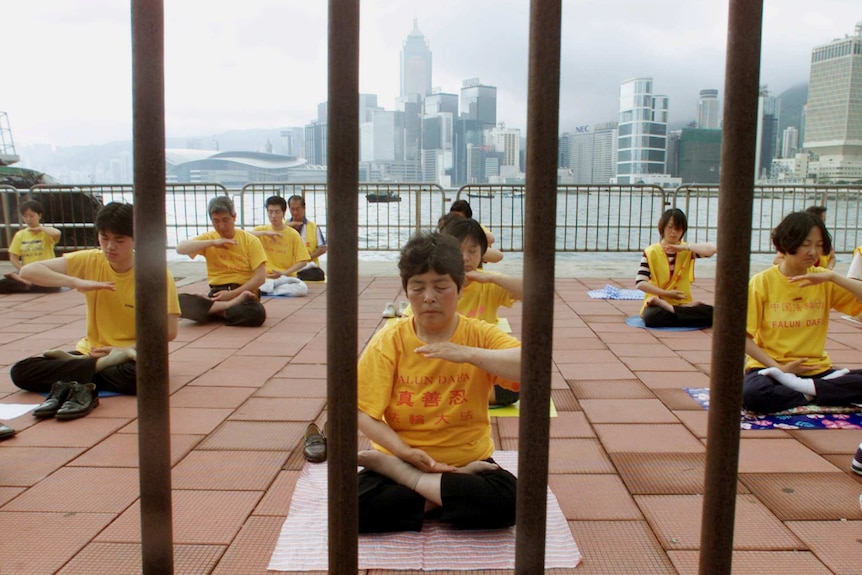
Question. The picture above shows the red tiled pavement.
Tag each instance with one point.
(627, 450)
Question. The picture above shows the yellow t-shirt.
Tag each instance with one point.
(482, 300)
(32, 246)
(434, 405)
(110, 314)
(283, 251)
(790, 322)
(232, 264)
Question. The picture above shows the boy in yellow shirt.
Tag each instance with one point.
(104, 359)
(31, 244)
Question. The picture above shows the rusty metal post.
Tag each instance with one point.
(543, 113)
(154, 440)
(342, 292)
(736, 191)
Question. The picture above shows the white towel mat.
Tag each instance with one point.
(302, 544)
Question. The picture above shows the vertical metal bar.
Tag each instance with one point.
(543, 113)
(154, 440)
(342, 212)
(736, 193)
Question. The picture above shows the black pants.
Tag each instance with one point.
(699, 315)
(484, 500)
(762, 394)
(11, 285)
(249, 313)
(39, 374)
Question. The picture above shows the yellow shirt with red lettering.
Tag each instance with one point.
(282, 251)
(434, 405)
(790, 322)
(232, 264)
(110, 314)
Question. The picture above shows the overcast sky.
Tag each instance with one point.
(262, 63)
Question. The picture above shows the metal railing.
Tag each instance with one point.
(613, 218)
(389, 213)
(771, 204)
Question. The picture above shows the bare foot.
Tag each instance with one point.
(475, 467)
(117, 356)
(60, 354)
(219, 307)
(243, 296)
(18, 278)
(391, 466)
(656, 301)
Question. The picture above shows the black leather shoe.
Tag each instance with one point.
(83, 398)
(315, 444)
(58, 396)
(6, 432)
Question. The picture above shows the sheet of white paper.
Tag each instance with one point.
(13, 410)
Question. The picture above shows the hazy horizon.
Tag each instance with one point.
(265, 65)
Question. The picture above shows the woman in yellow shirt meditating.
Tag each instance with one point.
(423, 401)
(788, 320)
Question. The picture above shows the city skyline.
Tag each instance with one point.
(266, 66)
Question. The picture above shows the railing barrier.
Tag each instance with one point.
(590, 218)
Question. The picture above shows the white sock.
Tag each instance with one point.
(836, 373)
(794, 382)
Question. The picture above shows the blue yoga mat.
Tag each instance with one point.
(102, 393)
(638, 321)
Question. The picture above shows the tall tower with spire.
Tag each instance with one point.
(415, 65)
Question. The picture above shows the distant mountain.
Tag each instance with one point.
(793, 100)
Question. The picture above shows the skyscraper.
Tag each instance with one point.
(642, 133)
(479, 102)
(590, 153)
(789, 142)
(766, 147)
(415, 64)
(833, 122)
(708, 110)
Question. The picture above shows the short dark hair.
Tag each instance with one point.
(431, 251)
(117, 219)
(462, 207)
(276, 201)
(678, 217)
(467, 228)
(221, 205)
(31, 205)
(445, 219)
(816, 210)
(295, 197)
(794, 228)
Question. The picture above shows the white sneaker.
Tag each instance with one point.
(389, 310)
(856, 465)
(402, 307)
